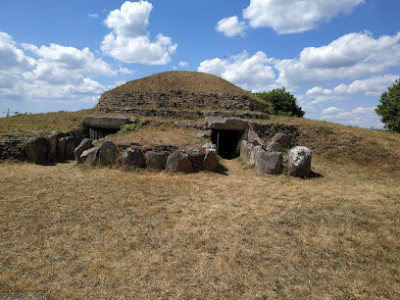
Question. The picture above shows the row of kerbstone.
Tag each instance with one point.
(269, 160)
(160, 157)
(56, 147)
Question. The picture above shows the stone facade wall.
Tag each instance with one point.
(267, 131)
(156, 103)
(183, 114)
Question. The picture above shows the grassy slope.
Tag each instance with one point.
(26, 125)
(192, 82)
(68, 231)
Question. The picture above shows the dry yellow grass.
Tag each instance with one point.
(161, 135)
(185, 81)
(33, 124)
(95, 233)
(85, 233)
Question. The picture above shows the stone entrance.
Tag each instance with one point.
(226, 141)
(101, 126)
(226, 133)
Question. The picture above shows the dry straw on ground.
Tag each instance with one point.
(96, 233)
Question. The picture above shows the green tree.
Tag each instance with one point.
(389, 109)
(283, 103)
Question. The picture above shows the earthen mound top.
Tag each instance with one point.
(183, 81)
(182, 94)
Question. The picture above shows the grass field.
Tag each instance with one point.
(96, 233)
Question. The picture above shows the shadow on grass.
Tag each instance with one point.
(313, 175)
(221, 169)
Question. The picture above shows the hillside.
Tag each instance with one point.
(182, 94)
(68, 231)
(184, 81)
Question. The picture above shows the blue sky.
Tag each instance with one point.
(335, 56)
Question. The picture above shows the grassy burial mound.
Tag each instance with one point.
(182, 94)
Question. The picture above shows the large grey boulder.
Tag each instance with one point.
(251, 136)
(197, 156)
(209, 146)
(84, 145)
(217, 123)
(269, 162)
(274, 147)
(133, 157)
(156, 160)
(210, 161)
(179, 161)
(105, 122)
(108, 153)
(248, 152)
(52, 153)
(36, 149)
(299, 161)
(90, 156)
(69, 147)
(282, 139)
(61, 149)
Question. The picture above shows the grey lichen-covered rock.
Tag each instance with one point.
(282, 139)
(133, 157)
(248, 152)
(251, 136)
(197, 156)
(217, 123)
(69, 147)
(209, 146)
(90, 156)
(179, 161)
(52, 153)
(156, 160)
(105, 122)
(210, 161)
(84, 145)
(299, 161)
(61, 149)
(108, 153)
(274, 147)
(269, 162)
(36, 149)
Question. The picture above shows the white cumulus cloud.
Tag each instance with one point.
(373, 86)
(183, 63)
(350, 56)
(286, 16)
(250, 73)
(55, 72)
(231, 26)
(360, 116)
(129, 42)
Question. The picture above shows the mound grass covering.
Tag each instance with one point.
(184, 81)
(33, 124)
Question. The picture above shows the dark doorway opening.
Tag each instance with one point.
(226, 141)
(97, 133)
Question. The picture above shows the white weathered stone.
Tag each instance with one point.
(299, 161)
